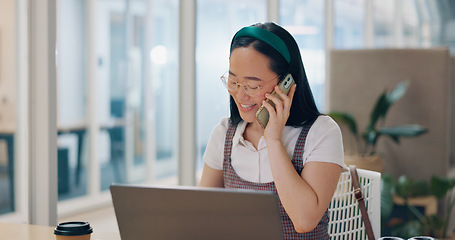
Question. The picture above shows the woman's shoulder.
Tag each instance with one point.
(224, 122)
(222, 127)
(324, 125)
(325, 120)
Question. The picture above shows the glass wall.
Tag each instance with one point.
(121, 53)
(384, 24)
(8, 88)
(72, 99)
(136, 50)
(349, 24)
(305, 21)
(164, 87)
(217, 22)
(410, 23)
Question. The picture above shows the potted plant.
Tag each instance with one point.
(365, 155)
(413, 221)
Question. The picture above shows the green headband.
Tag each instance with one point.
(265, 36)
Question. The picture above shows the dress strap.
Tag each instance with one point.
(297, 157)
(228, 142)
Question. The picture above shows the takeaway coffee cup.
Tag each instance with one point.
(73, 231)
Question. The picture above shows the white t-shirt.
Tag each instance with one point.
(323, 144)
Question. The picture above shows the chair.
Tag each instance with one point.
(344, 213)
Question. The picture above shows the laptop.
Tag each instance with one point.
(178, 212)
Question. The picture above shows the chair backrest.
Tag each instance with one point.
(345, 216)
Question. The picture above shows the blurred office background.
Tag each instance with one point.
(116, 107)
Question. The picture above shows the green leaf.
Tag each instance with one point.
(384, 102)
(371, 136)
(403, 131)
(346, 119)
(379, 110)
(387, 191)
(401, 187)
(407, 188)
(397, 92)
(440, 186)
(394, 138)
(433, 225)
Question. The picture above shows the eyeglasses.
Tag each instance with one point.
(249, 88)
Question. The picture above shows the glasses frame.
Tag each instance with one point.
(225, 78)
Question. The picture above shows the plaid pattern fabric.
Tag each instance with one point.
(232, 180)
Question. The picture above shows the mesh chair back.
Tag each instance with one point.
(345, 216)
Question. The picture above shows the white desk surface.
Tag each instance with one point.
(15, 231)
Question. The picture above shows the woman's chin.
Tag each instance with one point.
(249, 118)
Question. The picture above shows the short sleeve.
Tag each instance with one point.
(214, 152)
(324, 143)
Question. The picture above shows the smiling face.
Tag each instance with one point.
(249, 67)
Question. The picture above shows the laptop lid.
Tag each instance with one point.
(146, 212)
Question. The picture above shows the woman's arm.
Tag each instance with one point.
(212, 174)
(211, 177)
(305, 197)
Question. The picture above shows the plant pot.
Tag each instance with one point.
(373, 163)
(428, 203)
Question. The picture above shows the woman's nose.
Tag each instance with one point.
(241, 93)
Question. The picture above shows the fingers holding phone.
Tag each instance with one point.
(284, 101)
(281, 96)
(279, 114)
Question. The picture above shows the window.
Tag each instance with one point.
(349, 23)
(72, 100)
(121, 75)
(217, 22)
(132, 92)
(411, 24)
(305, 21)
(384, 24)
(8, 101)
(164, 87)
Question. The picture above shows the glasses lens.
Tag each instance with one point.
(224, 79)
(233, 86)
(253, 92)
(230, 84)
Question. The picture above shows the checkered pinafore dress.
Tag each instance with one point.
(232, 180)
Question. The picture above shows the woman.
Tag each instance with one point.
(299, 154)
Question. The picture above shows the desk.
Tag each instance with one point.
(14, 231)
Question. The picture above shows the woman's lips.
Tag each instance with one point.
(247, 107)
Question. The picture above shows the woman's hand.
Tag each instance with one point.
(278, 117)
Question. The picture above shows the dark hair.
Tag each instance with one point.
(303, 108)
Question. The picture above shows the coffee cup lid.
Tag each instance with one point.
(73, 229)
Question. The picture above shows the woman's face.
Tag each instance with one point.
(250, 69)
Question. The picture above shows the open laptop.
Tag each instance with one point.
(146, 212)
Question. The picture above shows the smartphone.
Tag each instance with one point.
(262, 115)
